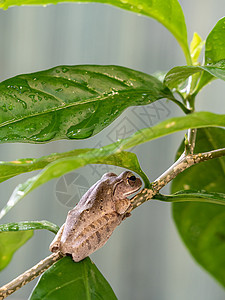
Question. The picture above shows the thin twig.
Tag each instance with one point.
(29, 275)
(183, 163)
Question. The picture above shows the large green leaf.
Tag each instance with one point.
(113, 154)
(214, 50)
(71, 102)
(201, 225)
(69, 280)
(179, 75)
(167, 12)
(10, 242)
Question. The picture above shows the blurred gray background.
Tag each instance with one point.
(145, 258)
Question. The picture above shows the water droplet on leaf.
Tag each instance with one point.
(80, 133)
(64, 70)
(22, 102)
(4, 108)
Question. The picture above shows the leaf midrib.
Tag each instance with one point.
(61, 286)
(89, 100)
(86, 282)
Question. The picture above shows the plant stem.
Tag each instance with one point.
(184, 162)
(191, 137)
(29, 275)
(189, 149)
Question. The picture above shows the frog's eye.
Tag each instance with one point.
(131, 180)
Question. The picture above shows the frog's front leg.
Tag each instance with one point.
(122, 205)
(55, 244)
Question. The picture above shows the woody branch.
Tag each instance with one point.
(184, 162)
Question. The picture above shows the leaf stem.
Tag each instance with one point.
(186, 52)
(185, 109)
(191, 136)
(193, 197)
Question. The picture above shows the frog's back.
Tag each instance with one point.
(84, 224)
(92, 237)
(89, 225)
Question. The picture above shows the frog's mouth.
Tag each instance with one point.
(133, 191)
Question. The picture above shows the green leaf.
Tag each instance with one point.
(29, 225)
(196, 47)
(214, 50)
(123, 159)
(13, 168)
(214, 61)
(194, 120)
(167, 12)
(71, 102)
(69, 280)
(202, 225)
(10, 242)
(160, 75)
(215, 43)
(61, 166)
(14, 235)
(178, 75)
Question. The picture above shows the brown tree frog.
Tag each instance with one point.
(91, 222)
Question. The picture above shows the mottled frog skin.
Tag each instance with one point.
(91, 222)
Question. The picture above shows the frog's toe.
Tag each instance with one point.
(54, 247)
